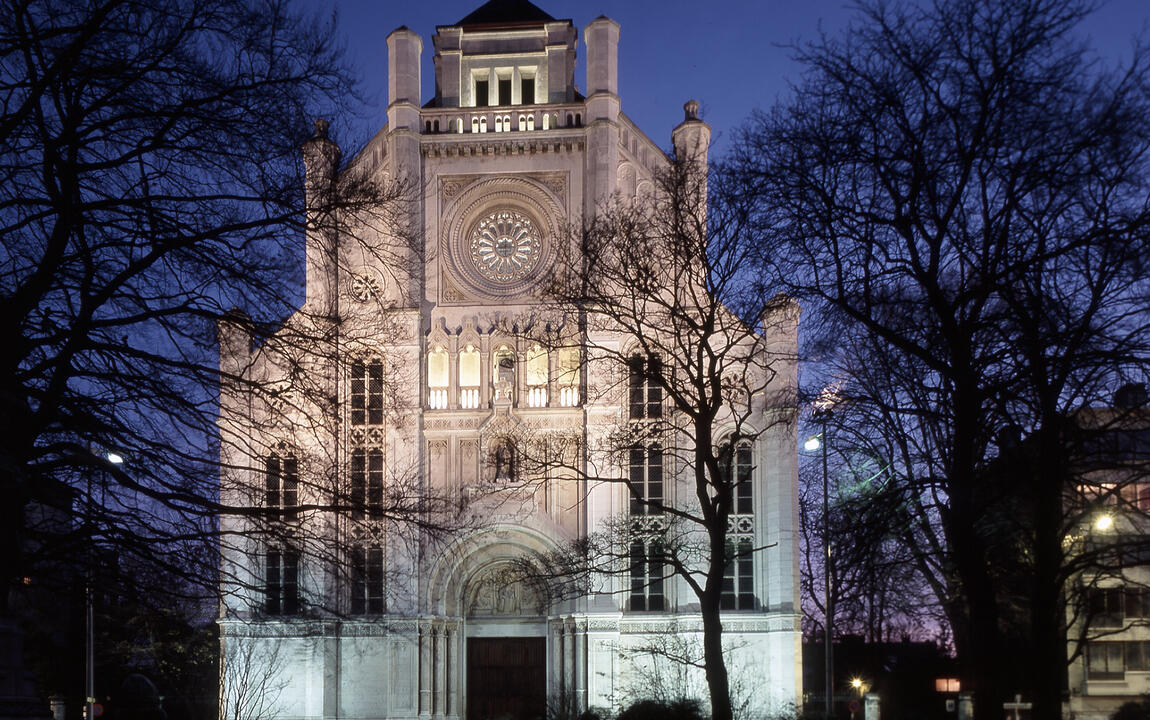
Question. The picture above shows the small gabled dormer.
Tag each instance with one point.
(505, 53)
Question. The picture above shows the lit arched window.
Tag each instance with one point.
(568, 376)
(469, 378)
(536, 377)
(437, 379)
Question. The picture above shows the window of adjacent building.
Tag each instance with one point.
(366, 476)
(367, 580)
(645, 481)
(481, 95)
(1137, 655)
(536, 374)
(527, 90)
(647, 575)
(1112, 607)
(281, 573)
(282, 484)
(568, 376)
(1105, 661)
(367, 392)
(645, 392)
(739, 576)
(504, 91)
(437, 378)
(469, 378)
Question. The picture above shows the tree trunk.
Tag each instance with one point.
(718, 682)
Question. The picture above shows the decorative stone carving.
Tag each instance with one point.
(363, 287)
(496, 593)
(505, 245)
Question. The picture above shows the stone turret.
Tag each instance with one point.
(692, 137)
(321, 163)
(404, 50)
(602, 39)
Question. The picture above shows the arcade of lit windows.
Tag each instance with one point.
(537, 378)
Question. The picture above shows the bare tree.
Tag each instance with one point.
(959, 192)
(252, 681)
(153, 180)
(661, 293)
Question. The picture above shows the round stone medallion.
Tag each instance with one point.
(505, 245)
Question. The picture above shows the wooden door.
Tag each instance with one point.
(506, 678)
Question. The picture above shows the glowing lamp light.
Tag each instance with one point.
(813, 443)
(856, 683)
(1104, 522)
(114, 458)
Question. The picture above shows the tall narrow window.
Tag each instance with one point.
(738, 591)
(367, 392)
(527, 91)
(736, 464)
(646, 394)
(647, 575)
(568, 376)
(645, 482)
(437, 379)
(739, 576)
(367, 580)
(469, 378)
(504, 91)
(536, 377)
(282, 484)
(481, 96)
(281, 581)
(366, 482)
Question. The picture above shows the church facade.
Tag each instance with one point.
(388, 401)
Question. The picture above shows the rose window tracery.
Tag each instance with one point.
(505, 245)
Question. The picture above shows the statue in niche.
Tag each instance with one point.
(504, 461)
(504, 375)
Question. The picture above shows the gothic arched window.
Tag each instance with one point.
(367, 392)
(644, 388)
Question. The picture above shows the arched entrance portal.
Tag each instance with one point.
(506, 648)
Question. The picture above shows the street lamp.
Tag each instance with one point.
(112, 458)
(824, 406)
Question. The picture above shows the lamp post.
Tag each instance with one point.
(819, 442)
(89, 604)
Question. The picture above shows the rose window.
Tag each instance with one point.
(505, 245)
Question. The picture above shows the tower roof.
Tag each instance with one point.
(506, 12)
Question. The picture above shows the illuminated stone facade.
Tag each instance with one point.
(376, 619)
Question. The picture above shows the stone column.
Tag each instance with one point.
(453, 669)
(439, 700)
(579, 632)
(425, 668)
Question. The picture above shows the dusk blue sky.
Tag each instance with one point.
(731, 56)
